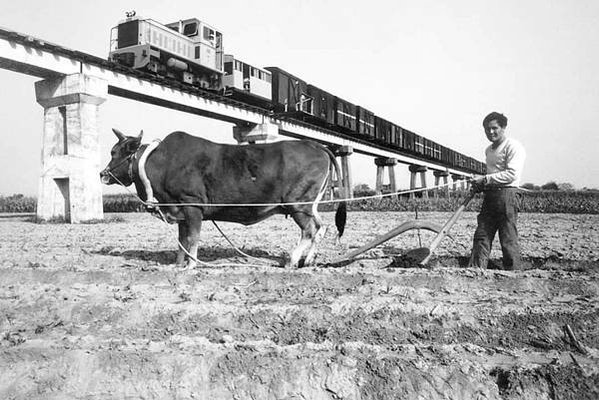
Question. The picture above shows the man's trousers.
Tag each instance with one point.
(498, 213)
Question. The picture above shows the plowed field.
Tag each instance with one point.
(99, 311)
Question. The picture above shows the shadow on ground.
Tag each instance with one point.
(206, 254)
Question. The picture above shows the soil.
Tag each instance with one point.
(100, 311)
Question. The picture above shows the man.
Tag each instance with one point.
(505, 161)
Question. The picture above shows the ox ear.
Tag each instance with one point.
(118, 134)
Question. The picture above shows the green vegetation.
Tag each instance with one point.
(541, 201)
(122, 203)
(17, 203)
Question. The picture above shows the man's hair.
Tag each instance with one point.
(495, 116)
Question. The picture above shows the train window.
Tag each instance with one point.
(228, 68)
(190, 29)
(197, 52)
(208, 34)
(267, 78)
(238, 65)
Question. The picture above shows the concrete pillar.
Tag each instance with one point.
(416, 170)
(438, 175)
(458, 181)
(254, 133)
(389, 164)
(69, 185)
(345, 180)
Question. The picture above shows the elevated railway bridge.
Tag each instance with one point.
(75, 84)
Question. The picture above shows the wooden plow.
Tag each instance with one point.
(420, 255)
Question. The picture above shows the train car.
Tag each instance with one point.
(436, 151)
(395, 135)
(385, 132)
(409, 142)
(188, 50)
(445, 155)
(365, 122)
(247, 83)
(472, 163)
(419, 145)
(482, 168)
(345, 115)
(428, 148)
(403, 138)
(289, 93)
(323, 105)
(461, 160)
(453, 158)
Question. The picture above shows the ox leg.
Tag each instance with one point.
(182, 243)
(303, 254)
(193, 220)
(320, 232)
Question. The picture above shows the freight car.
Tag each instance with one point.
(192, 52)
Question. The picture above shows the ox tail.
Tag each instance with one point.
(341, 214)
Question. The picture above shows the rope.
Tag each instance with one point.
(205, 264)
(375, 196)
(157, 205)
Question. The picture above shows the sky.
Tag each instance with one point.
(434, 67)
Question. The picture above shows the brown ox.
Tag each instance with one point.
(185, 169)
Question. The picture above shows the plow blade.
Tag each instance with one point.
(404, 227)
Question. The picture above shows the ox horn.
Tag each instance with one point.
(118, 134)
(141, 133)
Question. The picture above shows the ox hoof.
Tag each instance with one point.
(300, 264)
(187, 265)
(290, 265)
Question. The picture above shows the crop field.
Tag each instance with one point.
(100, 311)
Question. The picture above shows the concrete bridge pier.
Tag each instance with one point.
(255, 133)
(415, 171)
(459, 182)
(389, 164)
(345, 180)
(438, 175)
(70, 186)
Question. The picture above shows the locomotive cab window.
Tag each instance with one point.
(190, 29)
(229, 68)
(208, 34)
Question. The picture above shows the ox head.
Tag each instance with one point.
(119, 169)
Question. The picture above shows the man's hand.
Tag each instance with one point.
(478, 183)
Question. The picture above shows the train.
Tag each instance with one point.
(192, 52)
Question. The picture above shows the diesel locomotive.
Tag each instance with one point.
(192, 52)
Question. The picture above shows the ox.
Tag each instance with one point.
(187, 169)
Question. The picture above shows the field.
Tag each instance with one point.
(99, 311)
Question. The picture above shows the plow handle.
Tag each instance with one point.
(437, 240)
